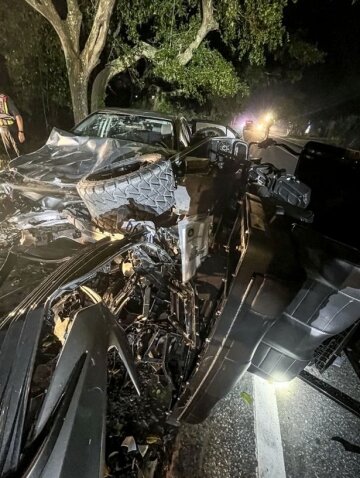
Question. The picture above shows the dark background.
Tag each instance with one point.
(332, 87)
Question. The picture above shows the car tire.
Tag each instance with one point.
(147, 191)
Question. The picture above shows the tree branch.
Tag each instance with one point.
(145, 50)
(97, 36)
(74, 21)
(148, 51)
(46, 9)
(208, 23)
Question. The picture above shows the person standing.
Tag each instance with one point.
(11, 123)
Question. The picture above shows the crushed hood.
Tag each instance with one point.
(66, 158)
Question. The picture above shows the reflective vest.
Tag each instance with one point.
(4, 110)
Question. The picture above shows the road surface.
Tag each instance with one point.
(279, 157)
(286, 431)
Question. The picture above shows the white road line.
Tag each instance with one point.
(270, 454)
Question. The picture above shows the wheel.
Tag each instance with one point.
(130, 191)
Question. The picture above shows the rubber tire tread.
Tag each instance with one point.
(151, 186)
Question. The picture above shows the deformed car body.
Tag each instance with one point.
(110, 139)
(102, 139)
(106, 137)
(213, 265)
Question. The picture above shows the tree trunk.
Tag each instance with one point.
(98, 90)
(78, 81)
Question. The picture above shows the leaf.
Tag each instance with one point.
(247, 398)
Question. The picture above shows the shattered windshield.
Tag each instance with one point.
(141, 129)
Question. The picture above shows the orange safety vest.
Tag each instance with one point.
(4, 109)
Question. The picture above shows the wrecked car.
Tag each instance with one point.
(45, 183)
(207, 264)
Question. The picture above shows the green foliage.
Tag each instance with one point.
(34, 59)
(235, 60)
(208, 73)
(156, 21)
(252, 27)
(222, 69)
(249, 31)
(303, 52)
(52, 68)
(296, 55)
(170, 26)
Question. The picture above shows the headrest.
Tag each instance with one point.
(166, 129)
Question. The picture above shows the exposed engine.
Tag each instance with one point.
(148, 304)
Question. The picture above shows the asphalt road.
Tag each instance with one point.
(286, 431)
(278, 156)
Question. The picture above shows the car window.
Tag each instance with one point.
(220, 128)
(142, 129)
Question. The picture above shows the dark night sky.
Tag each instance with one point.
(335, 26)
(332, 87)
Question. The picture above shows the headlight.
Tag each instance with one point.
(269, 117)
(260, 127)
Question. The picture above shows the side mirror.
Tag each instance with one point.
(226, 150)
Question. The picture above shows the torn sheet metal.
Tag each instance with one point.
(194, 234)
(182, 200)
(46, 218)
(66, 158)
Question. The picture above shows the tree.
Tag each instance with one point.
(196, 48)
(33, 75)
(80, 62)
(170, 35)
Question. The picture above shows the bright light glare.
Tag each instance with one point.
(281, 385)
(269, 117)
(259, 126)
